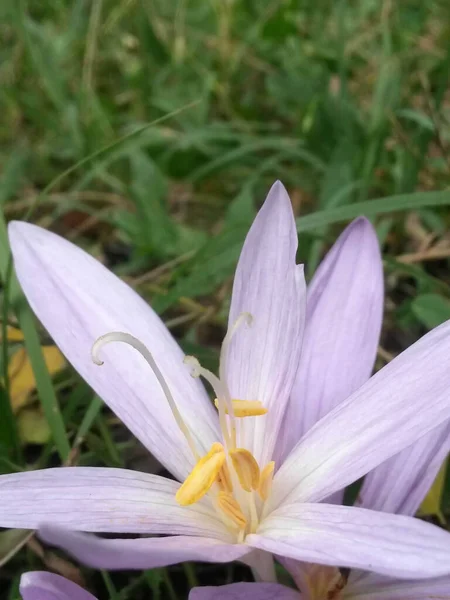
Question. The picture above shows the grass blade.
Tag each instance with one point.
(372, 208)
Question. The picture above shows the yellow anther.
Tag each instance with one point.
(246, 408)
(246, 468)
(224, 479)
(265, 481)
(230, 507)
(202, 476)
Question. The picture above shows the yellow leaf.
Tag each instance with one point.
(13, 334)
(21, 376)
(33, 427)
(431, 504)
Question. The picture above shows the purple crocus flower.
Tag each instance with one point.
(229, 506)
(40, 585)
(396, 486)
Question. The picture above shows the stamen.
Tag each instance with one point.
(196, 371)
(246, 408)
(246, 468)
(126, 338)
(265, 481)
(231, 508)
(224, 479)
(254, 521)
(202, 476)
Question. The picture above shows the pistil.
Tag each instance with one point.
(126, 338)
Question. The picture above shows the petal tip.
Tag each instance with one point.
(15, 227)
(363, 233)
(363, 225)
(278, 193)
(21, 229)
(277, 207)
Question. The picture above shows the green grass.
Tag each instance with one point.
(148, 132)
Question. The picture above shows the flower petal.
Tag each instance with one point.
(327, 534)
(40, 585)
(401, 483)
(244, 591)
(140, 553)
(343, 322)
(377, 587)
(404, 401)
(77, 300)
(97, 499)
(263, 359)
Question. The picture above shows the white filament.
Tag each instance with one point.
(126, 338)
(221, 392)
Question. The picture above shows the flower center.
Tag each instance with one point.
(229, 475)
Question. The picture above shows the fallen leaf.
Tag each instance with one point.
(13, 334)
(32, 425)
(22, 381)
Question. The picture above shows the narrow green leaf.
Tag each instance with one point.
(112, 592)
(90, 415)
(372, 208)
(9, 441)
(13, 171)
(431, 309)
(44, 383)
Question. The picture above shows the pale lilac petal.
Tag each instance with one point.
(40, 585)
(263, 359)
(401, 483)
(404, 401)
(244, 591)
(77, 300)
(140, 553)
(327, 534)
(343, 323)
(377, 587)
(97, 499)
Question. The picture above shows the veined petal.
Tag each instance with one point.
(404, 401)
(401, 483)
(97, 499)
(244, 591)
(377, 587)
(77, 300)
(343, 322)
(140, 553)
(327, 534)
(40, 585)
(263, 359)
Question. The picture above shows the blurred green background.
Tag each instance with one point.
(149, 131)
